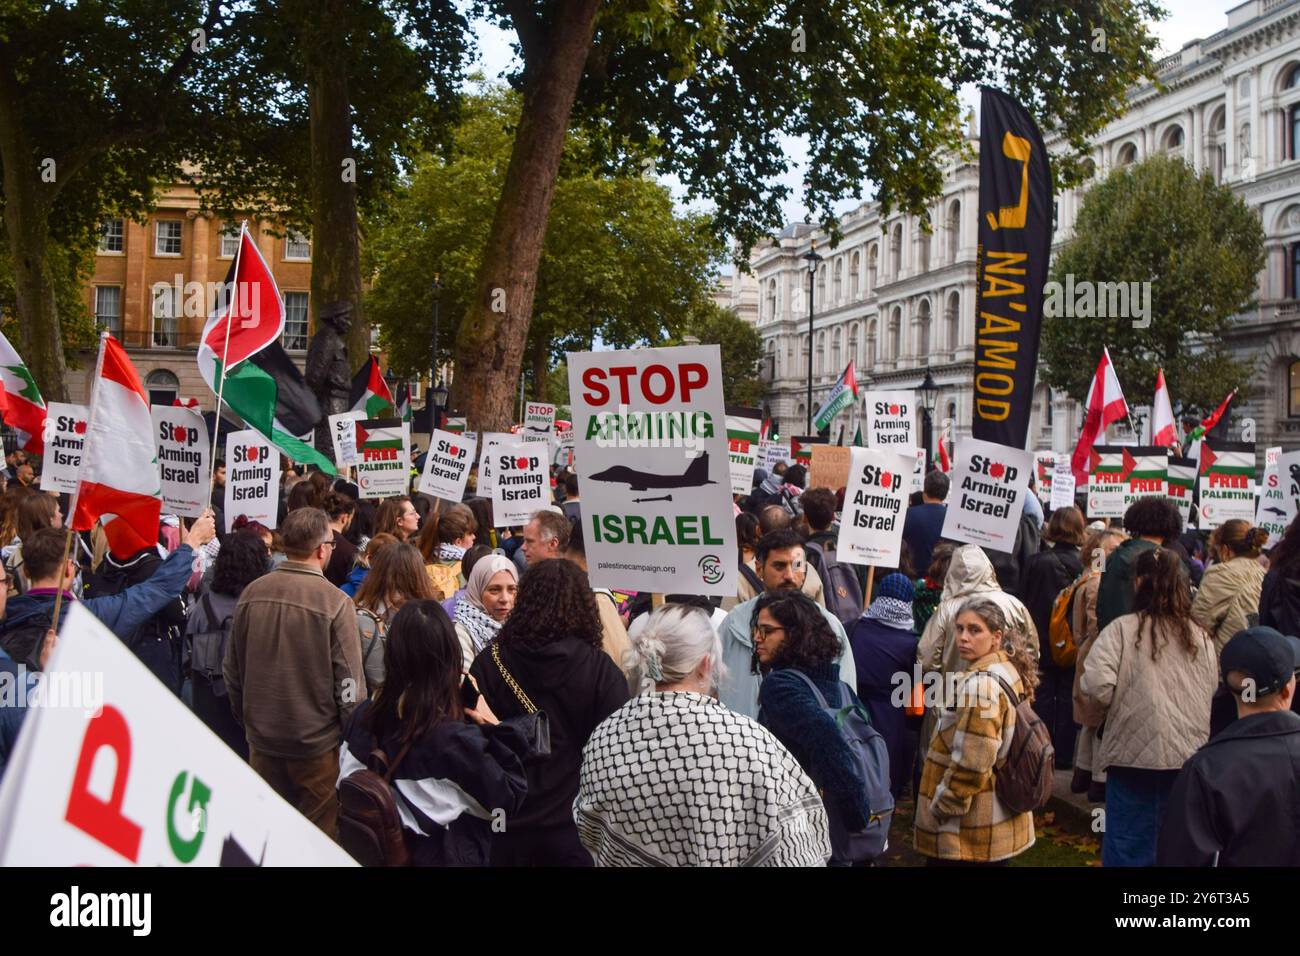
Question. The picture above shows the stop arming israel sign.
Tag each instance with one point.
(65, 437)
(651, 449)
(539, 417)
(113, 770)
(447, 465)
(987, 495)
(521, 484)
(252, 479)
(890, 420)
(875, 502)
(183, 452)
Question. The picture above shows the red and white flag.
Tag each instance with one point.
(119, 480)
(1105, 405)
(1162, 415)
(21, 405)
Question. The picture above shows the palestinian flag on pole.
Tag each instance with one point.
(21, 404)
(370, 392)
(801, 448)
(404, 402)
(841, 397)
(257, 379)
(118, 481)
(1211, 420)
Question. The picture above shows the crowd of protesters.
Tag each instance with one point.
(521, 716)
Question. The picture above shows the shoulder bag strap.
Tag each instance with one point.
(821, 699)
(375, 636)
(391, 768)
(528, 705)
(1015, 698)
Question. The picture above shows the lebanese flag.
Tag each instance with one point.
(118, 482)
(261, 383)
(21, 404)
(1105, 405)
(370, 392)
(1162, 415)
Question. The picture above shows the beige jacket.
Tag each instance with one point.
(1087, 712)
(614, 637)
(1157, 712)
(1228, 592)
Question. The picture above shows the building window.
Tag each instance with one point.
(954, 231)
(925, 250)
(1293, 130)
(838, 288)
(873, 271)
(896, 253)
(854, 355)
(295, 321)
(163, 386)
(167, 237)
(112, 236)
(951, 320)
(1127, 154)
(229, 240)
(837, 343)
(165, 325)
(923, 330)
(1293, 390)
(871, 345)
(297, 248)
(108, 309)
(855, 269)
(896, 335)
(771, 300)
(1173, 139)
(1293, 271)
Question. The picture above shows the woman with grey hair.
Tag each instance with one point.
(674, 778)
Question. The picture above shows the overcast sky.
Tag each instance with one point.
(1187, 20)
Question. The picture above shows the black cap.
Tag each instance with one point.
(1266, 656)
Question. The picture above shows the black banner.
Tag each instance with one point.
(1015, 243)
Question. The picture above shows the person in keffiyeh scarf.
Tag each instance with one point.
(487, 602)
(731, 794)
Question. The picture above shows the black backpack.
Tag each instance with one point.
(23, 640)
(839, 585)
(208, 647)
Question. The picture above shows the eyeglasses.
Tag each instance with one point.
(765, 630)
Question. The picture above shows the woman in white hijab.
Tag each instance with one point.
(489, 597)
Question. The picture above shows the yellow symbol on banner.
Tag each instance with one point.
(1013, 217)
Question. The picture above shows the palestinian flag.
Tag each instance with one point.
(370, 392)
(801, 448)
(257, 379)
(857, 438)
(378, 439)
(404, 402)
(841, 397)
(454, 425)
(119, 481)
(743, 428)
(1145, 469)
(1227, 482)
(1227, 459)
(1181, 478)
(1211, 420)
(21, 405)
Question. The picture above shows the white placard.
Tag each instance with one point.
(875, 503)
(65, 437)
(1062, 485)
(1044, 466)
(521, 483)
(383, 457)
(1226, 483)
(539, 417)
(343, 432)
(918, 472)
(113, 770)
(651, 437)
(447, 465)
(486, 469)
(742, 447)
(252, 479)
(773, 454)
(891, 420)
(985, 502)
(184, 456)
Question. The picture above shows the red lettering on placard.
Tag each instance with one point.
(104, 821)
(694, 377)
(597, 393)
(647, 387)
(623, 373)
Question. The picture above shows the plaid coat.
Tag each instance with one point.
(958, 815)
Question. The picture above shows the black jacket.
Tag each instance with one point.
(1279, 608)
(577, 685)
(1236, 801)
(1041, 579)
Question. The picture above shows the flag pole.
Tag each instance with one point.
(225, 351)
(76, 492)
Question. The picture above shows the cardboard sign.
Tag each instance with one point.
(1226, 482)
(65, 437)
(111, 769)
(184, 457)
(343, 432)
(447, 465)
(985, 500)
(1044, 467)
(891, 420)
(875, 504)
(1180, 483)
(539, 417)
(830, 467)
(383, 457)
(486, 470)
(1062, 485)
(252, 479)
(743, 425)
(522, 482)
(651, 435)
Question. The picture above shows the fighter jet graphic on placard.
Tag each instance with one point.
(695, 476)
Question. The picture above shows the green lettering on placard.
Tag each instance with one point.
(187, 850)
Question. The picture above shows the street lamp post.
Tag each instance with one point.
(433, 363)
(928, 394)
(438, 399)
(813, 259)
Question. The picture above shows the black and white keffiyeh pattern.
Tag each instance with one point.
(677, 779)
(482, 627)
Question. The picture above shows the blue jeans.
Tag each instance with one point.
(1135, 809)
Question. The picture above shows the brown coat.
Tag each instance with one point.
(293, 664)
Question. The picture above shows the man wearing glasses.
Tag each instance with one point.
(782, 566)
(293, 670)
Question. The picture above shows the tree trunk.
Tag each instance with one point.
(490, 345)
(336, 246)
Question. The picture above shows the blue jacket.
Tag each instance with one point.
(350, 586)
(122, 613)
(881, 652)
(12, 712)
(790, 710)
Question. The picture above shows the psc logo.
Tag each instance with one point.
(711, 569)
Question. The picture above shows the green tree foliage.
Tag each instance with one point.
(1199, 246)
(71, 269)
(742, 351)
(620, 267)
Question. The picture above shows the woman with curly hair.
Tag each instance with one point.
(960, 820)
(796, 650)
(1153, 673)
(549, 656)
